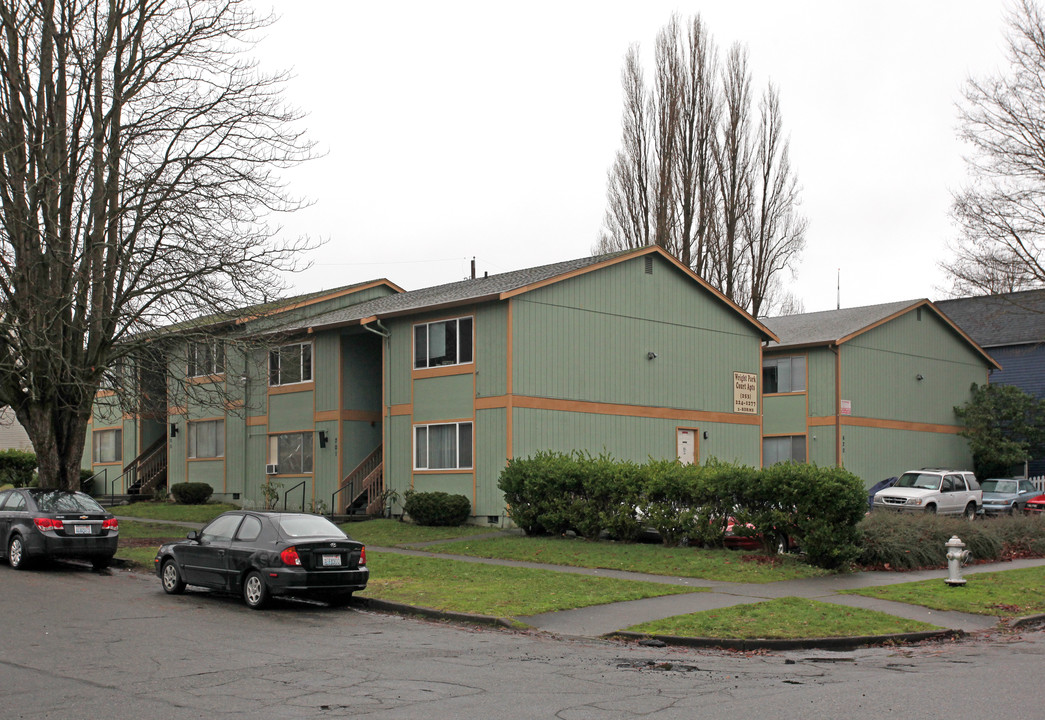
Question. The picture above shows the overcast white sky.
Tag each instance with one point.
(454, 130)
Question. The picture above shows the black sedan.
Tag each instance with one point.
(261, 554)
(38, 524)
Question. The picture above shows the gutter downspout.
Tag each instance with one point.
(379, 329)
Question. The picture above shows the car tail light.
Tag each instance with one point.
(111, 524)
(48, 524)
(290, 556)
(362, 555)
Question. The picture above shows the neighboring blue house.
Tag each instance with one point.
(1011, 327)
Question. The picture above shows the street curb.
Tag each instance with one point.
(1026, 620)
(431, 613)
(827, 643)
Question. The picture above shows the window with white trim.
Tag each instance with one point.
(290, 364)
(447, 342)
(291, 453)
(784, 374)
(205, 358)
(207, 439)
(783, 449)
(446, 446)
(107, 445)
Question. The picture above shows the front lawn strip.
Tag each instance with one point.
(135, 530)
(140, 557)
(499, 591)
(392, 533)
(173, 511)
(703, 563)
(1005, 593)
(782, 618)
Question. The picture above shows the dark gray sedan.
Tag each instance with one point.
(38, 524)
(1005, 496)
(261, 554)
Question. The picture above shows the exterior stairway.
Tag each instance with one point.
(148, 471)
(363, 490)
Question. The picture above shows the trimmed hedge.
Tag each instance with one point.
(437, 508)
(552, 493)
(191, 493)
(17, 467)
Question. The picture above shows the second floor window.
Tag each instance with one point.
(207, 439)
(784, 374)
(290, 364)
(206, 358)
(447, 342)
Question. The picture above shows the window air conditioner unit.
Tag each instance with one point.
(272, 469)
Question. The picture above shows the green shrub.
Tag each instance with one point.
(437, 508)
(541, 492)
(17, 467)
(903, 541)
(191, 493)
(668, 502)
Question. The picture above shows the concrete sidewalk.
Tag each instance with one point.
(599, 620)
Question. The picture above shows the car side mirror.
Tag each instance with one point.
(193, 535)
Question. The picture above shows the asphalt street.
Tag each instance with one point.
(78, 644)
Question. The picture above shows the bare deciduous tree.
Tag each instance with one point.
(1001, 213)
(140, 149)
(696, 176)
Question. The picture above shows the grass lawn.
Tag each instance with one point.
(172, 511)
(392, 533)
(707, 564)
(1005, 593)
(458, 586)
(783, 618)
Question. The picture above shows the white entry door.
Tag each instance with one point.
(687, 445)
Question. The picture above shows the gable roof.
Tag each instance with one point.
(835, 327)
(274, 307)
(992, 320)
(493, 288)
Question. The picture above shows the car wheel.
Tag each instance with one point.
(16, 554)
(170, 578)
(782, 545)
(970, 511)
(100, 563)
(930, 509)
(255, 592)
(1013, 509)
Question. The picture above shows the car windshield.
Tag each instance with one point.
(64, 501)
(309, 526)
(999, 486)
(922, 481)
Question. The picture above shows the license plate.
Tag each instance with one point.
(82, 529)
(331, 560)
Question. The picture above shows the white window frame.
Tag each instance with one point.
(426, 328)
(785, 369)
(460, 461)
(194, 429)
(205, 358)
(96, 441)
(276, 355)
(307, 451)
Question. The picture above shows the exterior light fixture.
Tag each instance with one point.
(651, 355)
(174, 430)
(322, 438)
(919, 377)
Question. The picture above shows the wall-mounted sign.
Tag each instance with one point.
(745, 393)
(847, 407)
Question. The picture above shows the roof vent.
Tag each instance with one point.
(649, 264)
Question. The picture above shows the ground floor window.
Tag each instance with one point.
(446, 446)
(107, 445)
(782, 449)
(291, 452)
(207, 439)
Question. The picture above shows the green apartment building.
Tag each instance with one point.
(336, 396)
(871, 389)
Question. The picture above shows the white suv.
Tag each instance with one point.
(933, 490)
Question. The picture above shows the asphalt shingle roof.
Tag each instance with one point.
(829, 326)
(993, 320)
(463, 291)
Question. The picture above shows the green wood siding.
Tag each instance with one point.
(290, 412)
(784, 415)
(361, 363)
(440, 399)
(820, 369)
(491, 456)
(491, 350)
(875, 454)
